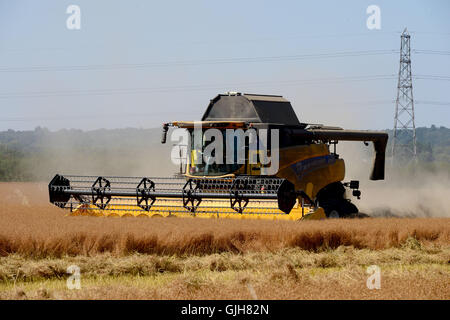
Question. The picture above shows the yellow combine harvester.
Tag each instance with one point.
(306, 184)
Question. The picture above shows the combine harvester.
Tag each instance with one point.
(306, 185)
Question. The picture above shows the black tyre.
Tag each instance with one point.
(341, 208)
(332, 200)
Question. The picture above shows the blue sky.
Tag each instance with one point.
(141, 63)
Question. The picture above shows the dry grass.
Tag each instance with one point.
(32, 227)
(18, 268)
(134, 258)
(288, 274)
(307, 287)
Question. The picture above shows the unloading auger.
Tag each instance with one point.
(306, 185)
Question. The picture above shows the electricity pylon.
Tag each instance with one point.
(404, 138)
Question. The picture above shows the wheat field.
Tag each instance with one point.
(157, 258)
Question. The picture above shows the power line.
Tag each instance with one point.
(435, 103)
(202, 87)
(445, 34)
(385, 102)
(431, 77)
(214, 41)
(121, 115)
(198, 87)
(233, 40)
(437, 52)
(198, 62)
(87, 116)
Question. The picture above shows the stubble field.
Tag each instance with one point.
(142, 258)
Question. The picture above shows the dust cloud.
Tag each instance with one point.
(120, 152)
(409, 189)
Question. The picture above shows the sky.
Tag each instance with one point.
(141, 63)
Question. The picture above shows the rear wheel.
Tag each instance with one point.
(333, 214)
(332, 200)
(338, 208)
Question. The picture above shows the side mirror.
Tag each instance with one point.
(164, 132)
